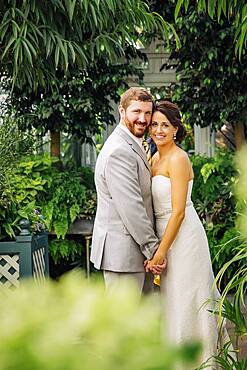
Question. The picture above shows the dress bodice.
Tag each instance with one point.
(161, 192)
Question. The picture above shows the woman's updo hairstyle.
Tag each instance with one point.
(171, 111)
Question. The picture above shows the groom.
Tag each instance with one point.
(123, 235)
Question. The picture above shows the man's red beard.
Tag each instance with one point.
(134, 129)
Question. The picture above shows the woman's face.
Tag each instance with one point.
(161, 130)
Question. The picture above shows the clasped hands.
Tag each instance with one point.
(156, 265)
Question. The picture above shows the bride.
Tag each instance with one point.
(187, 282)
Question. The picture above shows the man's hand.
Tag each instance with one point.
(156, 269)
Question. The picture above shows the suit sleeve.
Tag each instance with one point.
(123, 184)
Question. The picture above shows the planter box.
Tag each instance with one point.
(25, 257)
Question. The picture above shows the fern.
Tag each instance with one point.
(64, 249)
(61, 227)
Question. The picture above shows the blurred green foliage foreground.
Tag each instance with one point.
(77, 325)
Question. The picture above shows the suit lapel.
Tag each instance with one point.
(134, 146)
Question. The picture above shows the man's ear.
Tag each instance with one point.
(121, 109)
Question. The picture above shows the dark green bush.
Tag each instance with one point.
(37, 184)
(64, 249)
(48, 197)
(215, 203)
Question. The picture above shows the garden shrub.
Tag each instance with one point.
(37, 183)
(237, 285)
(36, 187)
(13, 144)
(75, 325)
(64, 249)
(213, 197)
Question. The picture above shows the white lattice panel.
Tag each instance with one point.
(9, 270)
(39, 264)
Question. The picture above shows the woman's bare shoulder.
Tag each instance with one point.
(179, 162)
(179, 155)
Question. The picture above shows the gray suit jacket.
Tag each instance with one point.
(123, 235)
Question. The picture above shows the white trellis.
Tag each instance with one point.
(9, 270)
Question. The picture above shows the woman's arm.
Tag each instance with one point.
(179, 172)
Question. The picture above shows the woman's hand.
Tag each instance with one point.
(158, 258)
(157, 264)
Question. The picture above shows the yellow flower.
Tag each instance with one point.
(157, 280)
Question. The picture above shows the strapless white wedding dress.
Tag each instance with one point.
(187, 282)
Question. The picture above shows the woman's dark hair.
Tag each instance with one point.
(171, 111)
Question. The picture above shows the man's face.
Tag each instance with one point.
(137, 116)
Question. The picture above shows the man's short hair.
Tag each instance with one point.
(135, 93)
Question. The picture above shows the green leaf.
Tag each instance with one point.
(11, 41)
(201, 5)
(61, 228)
(241, 37)
(31, 47)
(28, 54)
(8, 228)
(93, 13)
(23, 214)
(74, 212)
(15, 29)
(72, 52)
(71, 8)
(17, 52)
(57, 54)
(211, 8)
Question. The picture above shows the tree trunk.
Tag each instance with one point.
(55, 144)
(239, 135)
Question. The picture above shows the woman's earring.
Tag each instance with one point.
(174, 136)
